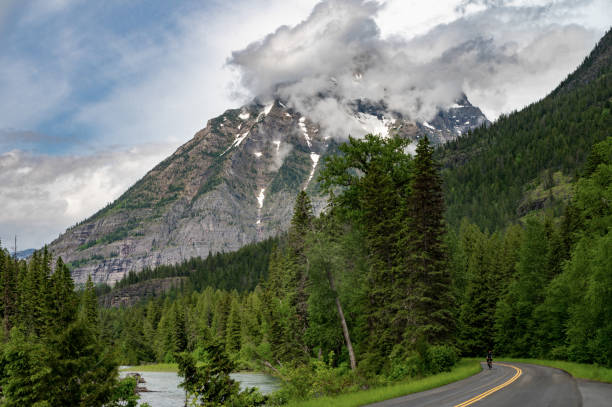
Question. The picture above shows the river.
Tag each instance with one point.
(164, 390)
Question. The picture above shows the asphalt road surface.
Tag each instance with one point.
(512, 384)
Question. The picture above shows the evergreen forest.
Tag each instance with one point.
(417, 261)
(52, 351)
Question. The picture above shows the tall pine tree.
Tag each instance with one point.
(430, 292)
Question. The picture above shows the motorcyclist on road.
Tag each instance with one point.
(490, 359)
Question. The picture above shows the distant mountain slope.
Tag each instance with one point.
(593, 67)
(232, 184)
(490, 174)
(24, 254)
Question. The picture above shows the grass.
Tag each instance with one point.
(465, 368)
(156, 367)
(578, 370)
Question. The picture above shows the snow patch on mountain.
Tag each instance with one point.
(261, 197)
(372, 124)
(267, 109)
(302, 126)
(236, 142)
(315, 159)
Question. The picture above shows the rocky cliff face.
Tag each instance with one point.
(232, 184)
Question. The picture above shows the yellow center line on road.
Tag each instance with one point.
(473, 400)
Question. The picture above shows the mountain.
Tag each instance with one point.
(232, 184)
(460, 118)
(24, 254)
(529, 159)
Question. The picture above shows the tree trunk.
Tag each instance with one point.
(345, 330)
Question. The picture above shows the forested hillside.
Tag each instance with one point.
(378, 289)
(488, 173)
(542, 289)
(335, 300)
(51, 349)
(240, 270)
(375, 289)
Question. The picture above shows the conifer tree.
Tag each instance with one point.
(430, 291)
(477, 313)
(222, 309)
(514, 330)
(233, 331)
(60, 361)
(301, 223)
(210, 384)
(63, 296)
(372, 177)
(380, 203)
(89, 303)
(252, 317)
(286, 296)
(179, 335)
(8, 290)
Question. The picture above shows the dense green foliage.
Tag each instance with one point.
(375, 289)
(543, 290)
(488, 171)
(319, 309)
(210, 384)
(241, 270)
(51, 353)
(540, 289)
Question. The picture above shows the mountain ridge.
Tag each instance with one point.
(491, 174)
(232, 184)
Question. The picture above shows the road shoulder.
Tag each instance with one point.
(595, 394)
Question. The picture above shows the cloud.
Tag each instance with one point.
(116, 72)
(503, 55)
(43, 194)
(79, 77)
(164, 84)
(76, 82)
(281, 152)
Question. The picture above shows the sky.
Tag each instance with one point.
(94, 94)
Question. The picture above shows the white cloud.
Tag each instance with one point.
(179, 82)
(162, 89)
(161, 85)
(503, 57)
(43, 194)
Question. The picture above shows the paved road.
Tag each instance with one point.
(512, 384)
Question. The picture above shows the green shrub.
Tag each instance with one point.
(558, 353)
(441, 358)
(87, 245)
(407, 367)
(425, 360)
(317, 379)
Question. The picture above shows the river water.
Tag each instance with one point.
(164, 390)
